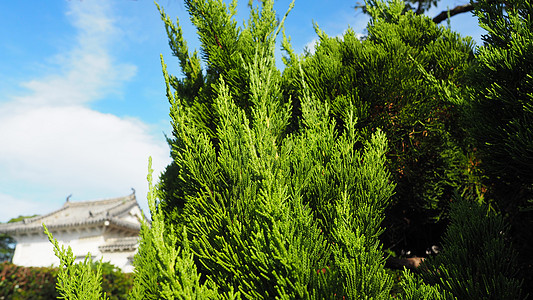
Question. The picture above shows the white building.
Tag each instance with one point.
(107, 229)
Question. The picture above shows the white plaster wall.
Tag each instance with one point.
(37, 251)
(34, 251)
(83, 245)
(120, 259)
(114, 234)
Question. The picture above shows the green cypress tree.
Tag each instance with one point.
(249, 188)
(277, 188)
(502, 98)
(279, 183)
(414, 288)
(501, 116)
(270, 210)
(226, 51)
(393, 79)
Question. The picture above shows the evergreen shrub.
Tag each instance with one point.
(17, 282)
(403, 77)
(269, 210)
(478, 260)
(500, 114)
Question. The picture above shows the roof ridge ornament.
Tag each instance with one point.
(68, 198)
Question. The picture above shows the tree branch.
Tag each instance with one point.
(455, 11)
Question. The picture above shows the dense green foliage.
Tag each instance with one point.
(7, 248)
(477, 261)
(500, 115)
(281, 182)
(502, 98)
(17, 282)
(161, 270)
(115, 284)
(388, 79)
(76, 281)
(248, 183)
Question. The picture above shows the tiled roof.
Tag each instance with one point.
(120, 244)
(74, 214)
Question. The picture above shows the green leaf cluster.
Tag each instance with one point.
(17, 282)
(502, 101)
(76, 281)
(163, 271)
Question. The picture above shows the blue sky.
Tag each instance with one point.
(82, 102)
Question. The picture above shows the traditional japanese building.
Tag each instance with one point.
(107, 229)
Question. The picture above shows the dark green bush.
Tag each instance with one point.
(17, 282)
(478, 261)
(500, 114)
(115, 283)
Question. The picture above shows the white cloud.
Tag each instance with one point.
(86, 71)
(18, 207)
(310, 46)
(54, 144)
(49, 145)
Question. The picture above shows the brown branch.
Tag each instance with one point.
(455, 11)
